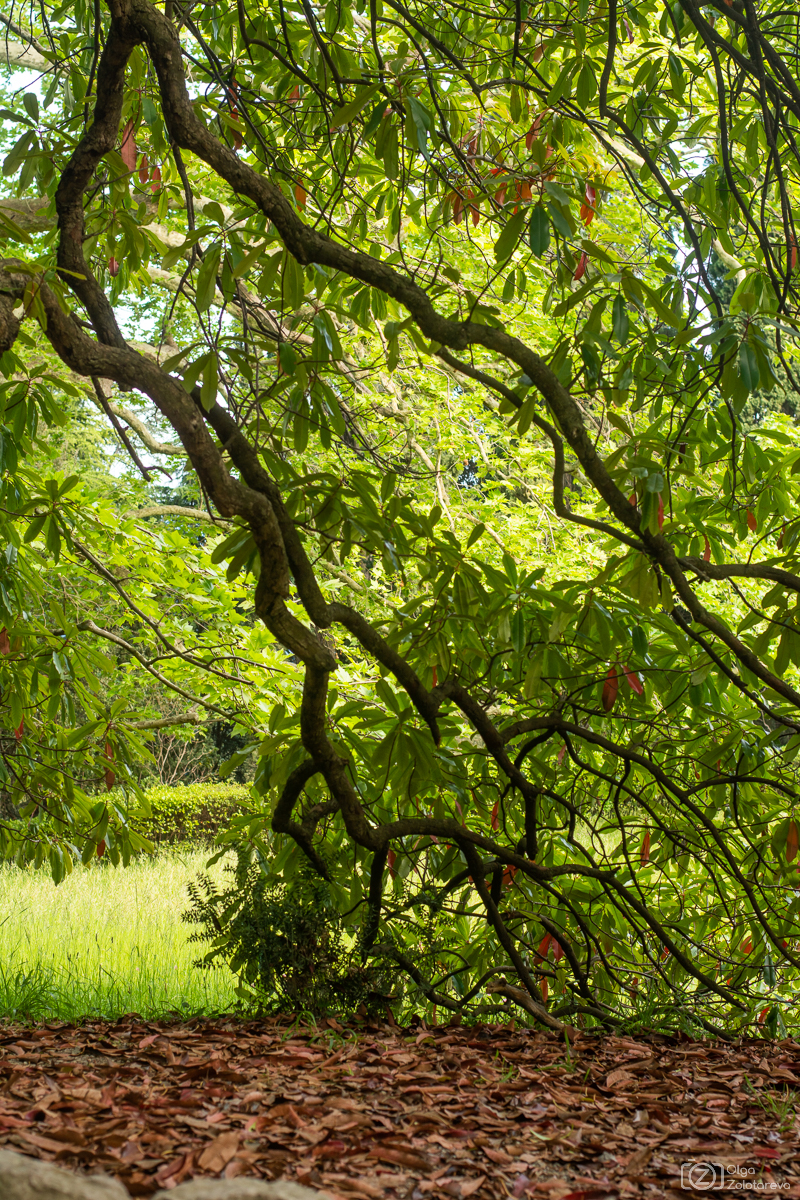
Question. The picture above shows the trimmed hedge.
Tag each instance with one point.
(192, 812)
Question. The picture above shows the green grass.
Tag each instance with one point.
(106, 941)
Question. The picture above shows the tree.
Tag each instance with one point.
(407, 240)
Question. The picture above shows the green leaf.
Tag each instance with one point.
(748, 367)
(620, 321)
(345, 114)
(207, 279)
(539, 231)
(509, 236)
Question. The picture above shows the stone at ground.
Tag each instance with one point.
(24, 1178)
(238, 1189)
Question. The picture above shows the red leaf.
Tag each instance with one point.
(18, 731)
(587, 208)
(580, 270)
(500, 194)
(558, 950)
(101, 848)
(533, 132)
(634, 680)
(495, 819)
(747, 946)
(127, 149)
(660, 513)
(792, 252)
(476, 214)
(543, 986)
(707, 549)
(752, 523)
(544, 945)
(524, 191)
(458, 205)
(538, 52)
(300, 195)
(610, 689)
(435, 679)
(155, 184)
(5, 644)
(766, 1151)
(294, 96)
(144, 170)
(791, 841)
(561, 754)
(508, 875)
(644, 853)
(762, 1016)
(113, 266)
(110, 779)
(390, 859)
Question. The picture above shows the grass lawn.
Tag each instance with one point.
(106, 941)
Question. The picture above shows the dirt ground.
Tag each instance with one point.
(379, 1111)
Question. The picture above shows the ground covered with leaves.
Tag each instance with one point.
(379, 1111)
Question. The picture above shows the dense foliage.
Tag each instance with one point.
(510, 529)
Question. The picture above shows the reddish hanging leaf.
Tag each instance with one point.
(458, 205)
(533, 132)
(544, 988)
(155, 179)
(558, 950)
(544, 945)
(101, 847)
(538, 52)
(476, 214)
(524, 190)
(113, 266)
(752, 523)
(791, 841)
(707, 549)
(508, 875)
(300, 195)
(792, 252)
(144, 170)
(18, 731)
(632, 499)
(762, 1016)
(500, 194)
(644, 853)
(435, 677)
(665, 954)
(587, 208)
(610, 689)
(634, 680)
(294, 96)
(747, 946)
(628, 29)
(660, 513)
(127, 149)
(5, 644)
(580, 270)
(390, 858)
(561, 754)
(495, 820)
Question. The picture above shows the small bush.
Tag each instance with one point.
(285, 942)
(192, 812)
